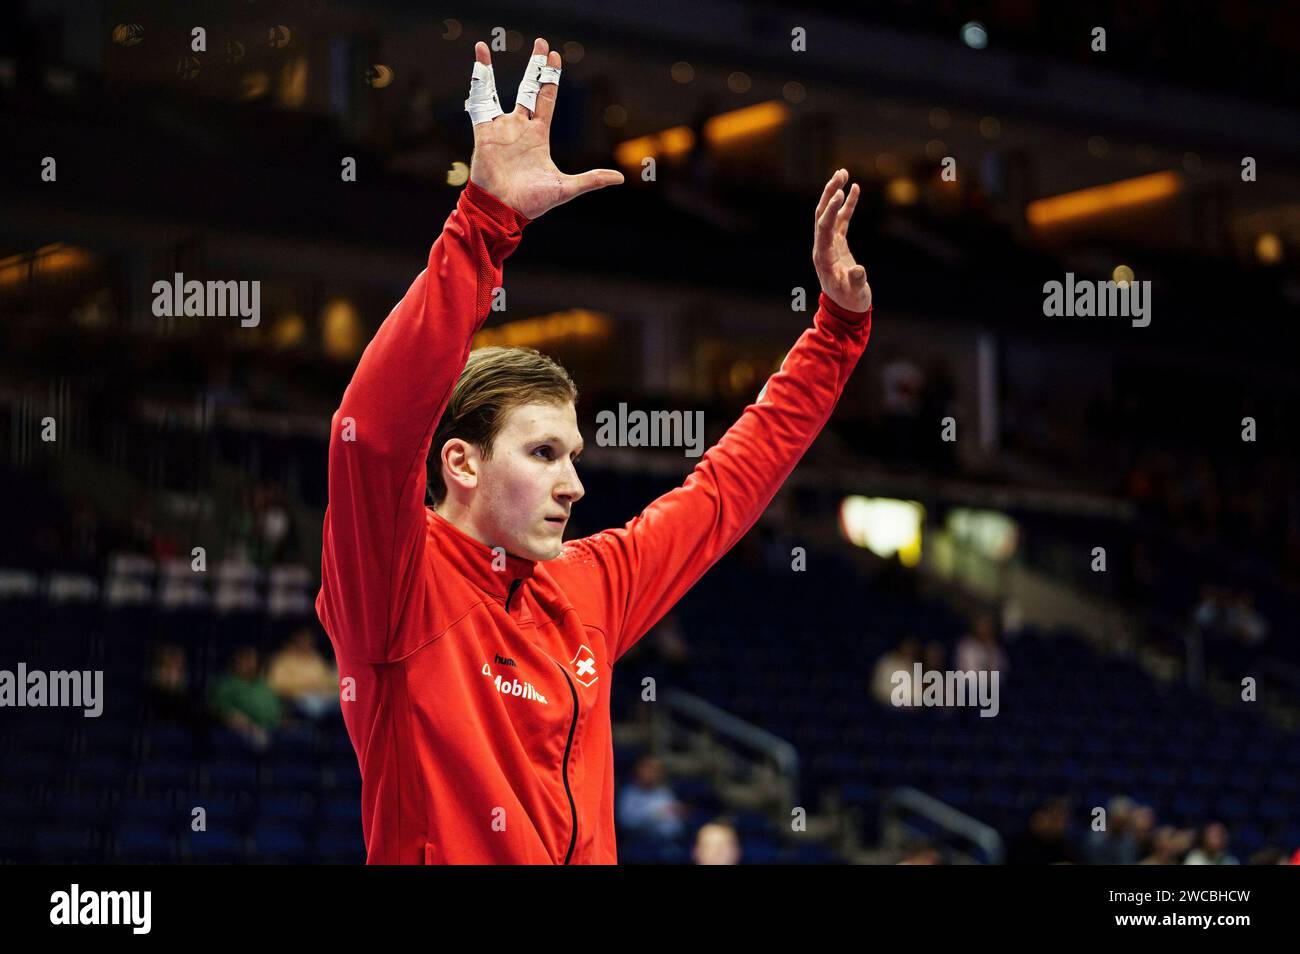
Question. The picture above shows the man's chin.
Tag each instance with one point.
(544, 549)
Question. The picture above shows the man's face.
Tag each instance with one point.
(648, 773)
(1216, 838)
(529, 478)
(245, 664)
(716, 845)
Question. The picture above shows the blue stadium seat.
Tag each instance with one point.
(278, 842)
(216, 845)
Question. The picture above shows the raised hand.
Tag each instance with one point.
(843, 280)
(512, 151)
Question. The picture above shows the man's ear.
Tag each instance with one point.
(465, 450)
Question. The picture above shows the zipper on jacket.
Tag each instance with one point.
(564, 768)
(514, 587)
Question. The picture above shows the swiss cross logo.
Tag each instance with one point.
(584, 666)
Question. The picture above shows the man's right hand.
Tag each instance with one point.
(512, 153)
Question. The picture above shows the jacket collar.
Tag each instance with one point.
(476, 560)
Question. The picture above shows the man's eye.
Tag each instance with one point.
(545, 450)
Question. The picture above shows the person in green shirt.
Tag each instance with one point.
(245, 702)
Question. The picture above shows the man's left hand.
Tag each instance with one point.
(843, 280)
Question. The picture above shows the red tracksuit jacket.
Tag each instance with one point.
(478, 699)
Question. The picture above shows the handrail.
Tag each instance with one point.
(943, 815)
(783, 754)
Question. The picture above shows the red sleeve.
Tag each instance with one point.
(374, 524)
(623, 581)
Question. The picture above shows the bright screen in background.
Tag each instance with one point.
(987, 532)
(884, 526)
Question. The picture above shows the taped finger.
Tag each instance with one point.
(535, 75)
(483, 105)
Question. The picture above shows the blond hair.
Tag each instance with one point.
(495, 381)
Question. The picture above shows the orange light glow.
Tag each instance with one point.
(720, 132)
(545, 329)
(1101, 200)
(46, 260)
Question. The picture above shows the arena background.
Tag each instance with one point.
(1109, 511)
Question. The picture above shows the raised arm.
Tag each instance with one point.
(380, 435)
(624, 580)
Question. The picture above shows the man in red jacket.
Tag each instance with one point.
(475, 647)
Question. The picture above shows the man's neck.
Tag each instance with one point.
(459, 517)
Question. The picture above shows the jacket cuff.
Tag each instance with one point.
(848, 317)
(494, 208)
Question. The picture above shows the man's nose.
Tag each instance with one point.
(571, 487)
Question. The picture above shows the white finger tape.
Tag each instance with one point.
(482, 105)
(535, 75)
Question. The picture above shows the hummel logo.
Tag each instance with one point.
(504, 660)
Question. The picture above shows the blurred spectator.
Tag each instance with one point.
(672, 652)
(299, 674)
(1213, 849)
(1231, 629)
(1169, 844)
(899, 659)
(935, 656)
(922, 853)
(716, 843)
(1046, 840)
(169, 691)
(1268, 855)
(647, 806)
(903, 385)
(1209, 615)
(1116, 845)
(1245, 624)
(145, 536)
(273, 530)
(1143, 826)
(245, 702)
(979, 651)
